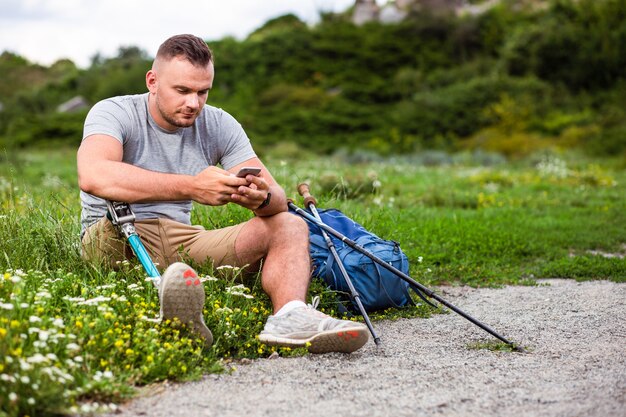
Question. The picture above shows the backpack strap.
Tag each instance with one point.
(382, 285)
(415, 289)
(422, 296)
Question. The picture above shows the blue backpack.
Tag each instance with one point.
(377, 287)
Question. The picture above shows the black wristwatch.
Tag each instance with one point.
(266, 202)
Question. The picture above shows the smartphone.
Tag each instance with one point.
(248, 171)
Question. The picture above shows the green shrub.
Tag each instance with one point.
(452, 110)
(578, 43)
(47, 128)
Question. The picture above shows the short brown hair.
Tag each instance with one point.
(194, 49)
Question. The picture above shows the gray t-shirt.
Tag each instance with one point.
(215, 138)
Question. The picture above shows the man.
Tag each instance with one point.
(159, 151)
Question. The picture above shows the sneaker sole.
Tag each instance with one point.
(183, 298)
(344, 340)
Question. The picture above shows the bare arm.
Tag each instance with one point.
(102, 173)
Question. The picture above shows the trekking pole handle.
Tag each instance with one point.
(303, 190)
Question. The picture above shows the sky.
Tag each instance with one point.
(44, 31)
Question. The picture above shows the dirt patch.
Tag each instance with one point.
(576, 365)
(621, 254)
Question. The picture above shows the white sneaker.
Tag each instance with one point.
(182, 296)
(320, 333)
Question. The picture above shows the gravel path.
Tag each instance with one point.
(575, 332)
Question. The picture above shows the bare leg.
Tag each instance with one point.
(283, 241)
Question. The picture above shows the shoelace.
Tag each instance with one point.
(313, 308)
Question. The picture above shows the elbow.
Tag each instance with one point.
(86, 186)
(89, 185)
(90, 179)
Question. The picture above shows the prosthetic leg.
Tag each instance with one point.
(123, 219)
(181, 294)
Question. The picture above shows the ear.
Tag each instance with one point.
(151, 81)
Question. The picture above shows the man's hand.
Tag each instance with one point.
(215, 187)
(253, 194)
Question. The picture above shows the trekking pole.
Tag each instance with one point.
(310, 202)
(123, 219)
(400, 274)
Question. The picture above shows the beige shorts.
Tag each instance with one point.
(165, 240)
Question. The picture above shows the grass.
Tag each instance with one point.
(76, 337)
(495, 346)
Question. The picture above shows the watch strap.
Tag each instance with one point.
(265, 202)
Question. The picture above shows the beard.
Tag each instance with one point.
(171, 117)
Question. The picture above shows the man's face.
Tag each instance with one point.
(178, 90)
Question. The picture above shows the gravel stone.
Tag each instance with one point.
(575, 335)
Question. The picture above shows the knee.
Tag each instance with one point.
(291, 224)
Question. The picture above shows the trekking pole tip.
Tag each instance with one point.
(518, 348)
